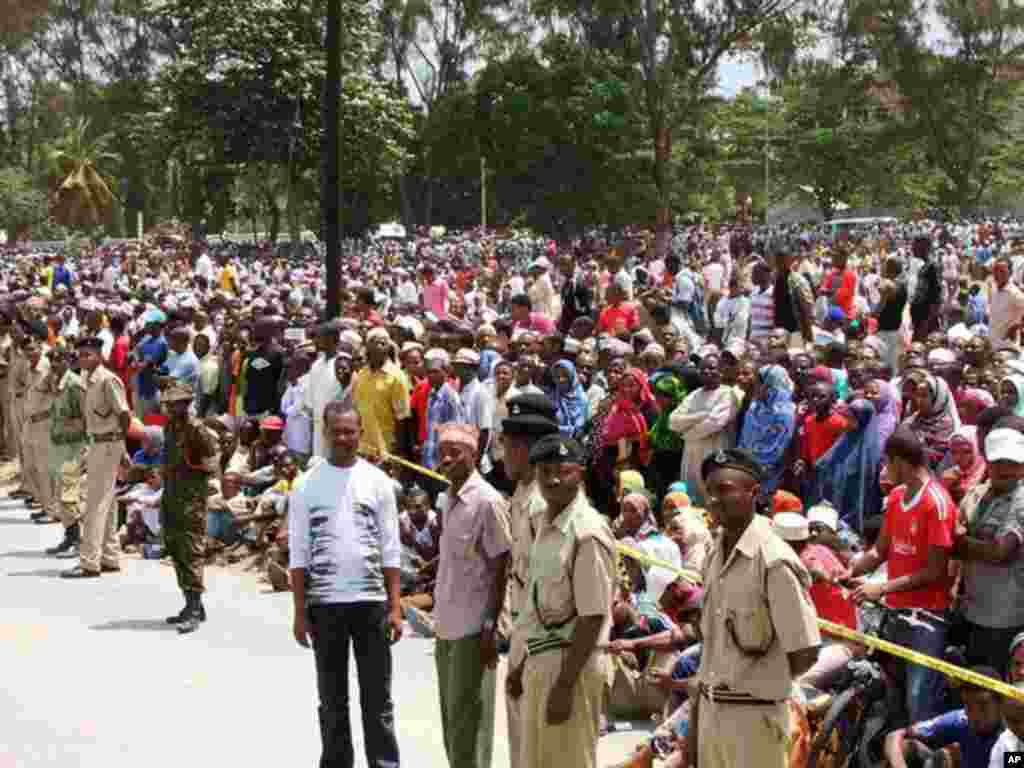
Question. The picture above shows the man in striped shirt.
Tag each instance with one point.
(762, 302)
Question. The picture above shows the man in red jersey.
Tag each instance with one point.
(915, 544)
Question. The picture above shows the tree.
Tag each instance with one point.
(80, 164)
(22, 204)
(677, 46)
(246, 86)
(948, 73)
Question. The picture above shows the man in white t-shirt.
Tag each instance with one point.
(345, 557)
(1006, 303)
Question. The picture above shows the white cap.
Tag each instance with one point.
(466, 356)
(1005, 445)
(825, 514)
(791, 526)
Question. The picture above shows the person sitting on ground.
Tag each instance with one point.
(418, 524)
(975, 729)
(224, 508)
(142, 512)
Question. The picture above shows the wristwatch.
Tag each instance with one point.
(489, 625)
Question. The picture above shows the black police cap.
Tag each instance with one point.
(556, 449)
(530, 414)
(731, 458)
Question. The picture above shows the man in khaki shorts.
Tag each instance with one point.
(107, 419)
(564, 617)
(758, 627)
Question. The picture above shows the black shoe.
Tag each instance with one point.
(193, 614)
(181, 615)
(38, 516)
(45, 520)
(78, 572)
(70, 540)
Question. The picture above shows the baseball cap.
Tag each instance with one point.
(1005, 445)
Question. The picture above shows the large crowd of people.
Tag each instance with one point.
(774, 425)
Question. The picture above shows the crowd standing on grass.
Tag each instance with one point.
(803, 423)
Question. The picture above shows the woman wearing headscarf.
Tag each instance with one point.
(769, 425)
(601, 463)
(933, 414)
(670, 387)
(571, 403)
(971, 401)
(625, 428)
(705, 420)
(886, 399)
(1011, 393)
(965, 466)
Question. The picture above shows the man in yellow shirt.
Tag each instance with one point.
(228, 276)
(381, 397)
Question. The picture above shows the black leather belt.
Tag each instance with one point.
(38, 417)
(721, 694)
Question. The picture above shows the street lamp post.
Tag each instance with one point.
(330, 208)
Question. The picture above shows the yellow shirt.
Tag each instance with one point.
(229, 279)
(382, 399)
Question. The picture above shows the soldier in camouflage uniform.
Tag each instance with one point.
(191, 460)
(67, 448)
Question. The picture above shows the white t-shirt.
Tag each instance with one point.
(1007, 742)
(343, 529)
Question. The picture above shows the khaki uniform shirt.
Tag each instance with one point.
(67, 421)
(105, 401)
(572, 574)
(20, 375)
(762, 591)
(40, 396)
(525, 508)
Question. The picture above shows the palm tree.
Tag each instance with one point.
(81, 191)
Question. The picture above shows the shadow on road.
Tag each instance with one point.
(46, 573)
(27, 554)
(134, 625)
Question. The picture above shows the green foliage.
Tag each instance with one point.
(22, 204)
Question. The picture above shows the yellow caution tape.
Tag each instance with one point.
(642, 557)
(838, 630)
(907, 654)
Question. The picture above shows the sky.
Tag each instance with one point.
(736, 74)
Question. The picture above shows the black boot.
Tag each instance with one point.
(71, 537)
(181, 616)
(193, 616)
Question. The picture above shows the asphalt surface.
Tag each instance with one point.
(92, 676)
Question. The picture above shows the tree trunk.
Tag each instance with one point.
(662, 173)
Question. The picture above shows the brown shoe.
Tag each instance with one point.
(110, 568)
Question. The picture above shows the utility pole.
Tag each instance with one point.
(330, 208)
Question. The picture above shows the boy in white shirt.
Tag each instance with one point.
(1012, 739)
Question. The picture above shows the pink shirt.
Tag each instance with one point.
(435, 298)
(474, 534)
(538, 324)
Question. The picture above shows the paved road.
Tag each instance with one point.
(92, 676)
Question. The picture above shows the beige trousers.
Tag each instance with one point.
(99, 524)
(515, 726)
(67, 483)
(17, 427)
(732, 735)
(35, 470)
(572, 744)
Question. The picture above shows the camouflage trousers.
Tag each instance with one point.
(184, 530)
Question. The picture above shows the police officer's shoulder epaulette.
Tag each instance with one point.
(588, 523)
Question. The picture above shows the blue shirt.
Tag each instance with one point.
(954, 728)
(150, 350)
(443, 407)
(184, 368)
(61, 276)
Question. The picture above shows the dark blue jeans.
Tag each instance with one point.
(365, 626)
(924, 689)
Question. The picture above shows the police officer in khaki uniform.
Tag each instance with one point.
(530, 417)
(67, 448)
(36, 433)
(20, 375)
(564, 617)
(107, 419)
(759, 627)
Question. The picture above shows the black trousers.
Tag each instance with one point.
(364, 625)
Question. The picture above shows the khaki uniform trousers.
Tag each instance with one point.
(732, 735)
(99, 524)
(66, 477)
(514, 717)
(17, 427)
(36, 465)
(573, 744)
